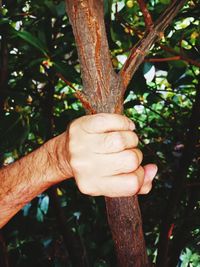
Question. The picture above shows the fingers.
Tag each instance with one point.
(101, 123)
(123, 185)
(113, 142)
(150, 171)
(104, 158)
(107, 164)
(116, 186)
(123, 162)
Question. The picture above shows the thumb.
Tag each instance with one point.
(150, 171)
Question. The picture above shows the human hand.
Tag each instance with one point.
(104, 159)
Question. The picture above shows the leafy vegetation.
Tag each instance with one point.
(39, 74)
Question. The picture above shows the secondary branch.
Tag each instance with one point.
(147, 16)
(181, 55)
(139, 52)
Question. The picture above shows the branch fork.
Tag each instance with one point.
(103, 92)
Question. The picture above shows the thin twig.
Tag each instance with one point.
(78, 94)
(163, 59)
(85, 102)
(59, 75)
(139, 52)
(146, 14)
(182, 57)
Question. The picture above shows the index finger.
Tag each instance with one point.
(105, 122)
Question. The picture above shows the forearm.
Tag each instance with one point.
(99, 151)
(23, 180)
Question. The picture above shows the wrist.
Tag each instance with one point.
(58, 156)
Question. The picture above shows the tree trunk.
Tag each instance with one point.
(103, 91)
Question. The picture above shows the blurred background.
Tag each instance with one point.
(39, 73)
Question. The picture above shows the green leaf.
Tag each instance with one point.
(39, 215)
(132, 103)
(165, 2)
(32, 40)
(44, 205)
(4, 21)
(60, 8)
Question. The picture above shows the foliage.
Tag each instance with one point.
(39, 75)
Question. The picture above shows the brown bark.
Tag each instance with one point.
(180, 55)
(103, 92)
(146, 14)
(141, 49)
(102, 86)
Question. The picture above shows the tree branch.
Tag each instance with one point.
(181, 55)
(104, 91)
(139, 52)
(100, 82)
(146, 14)
(175, 58)
(78, 94)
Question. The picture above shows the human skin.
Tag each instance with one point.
(99, 151)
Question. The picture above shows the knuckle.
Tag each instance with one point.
(94, 123)
(119, 141)
(76, 164)
(131, 160)
(86, 189)
(136, 185)
(114, 142)
(83, 187)
(140, 156)
(133, 187)
(98, 120)
(147, 189)
(126, 123)
(72, 128)
(82, 164)
(136, 139)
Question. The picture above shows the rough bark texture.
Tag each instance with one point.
(139, 52)
(103, 92)
(102, 86)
